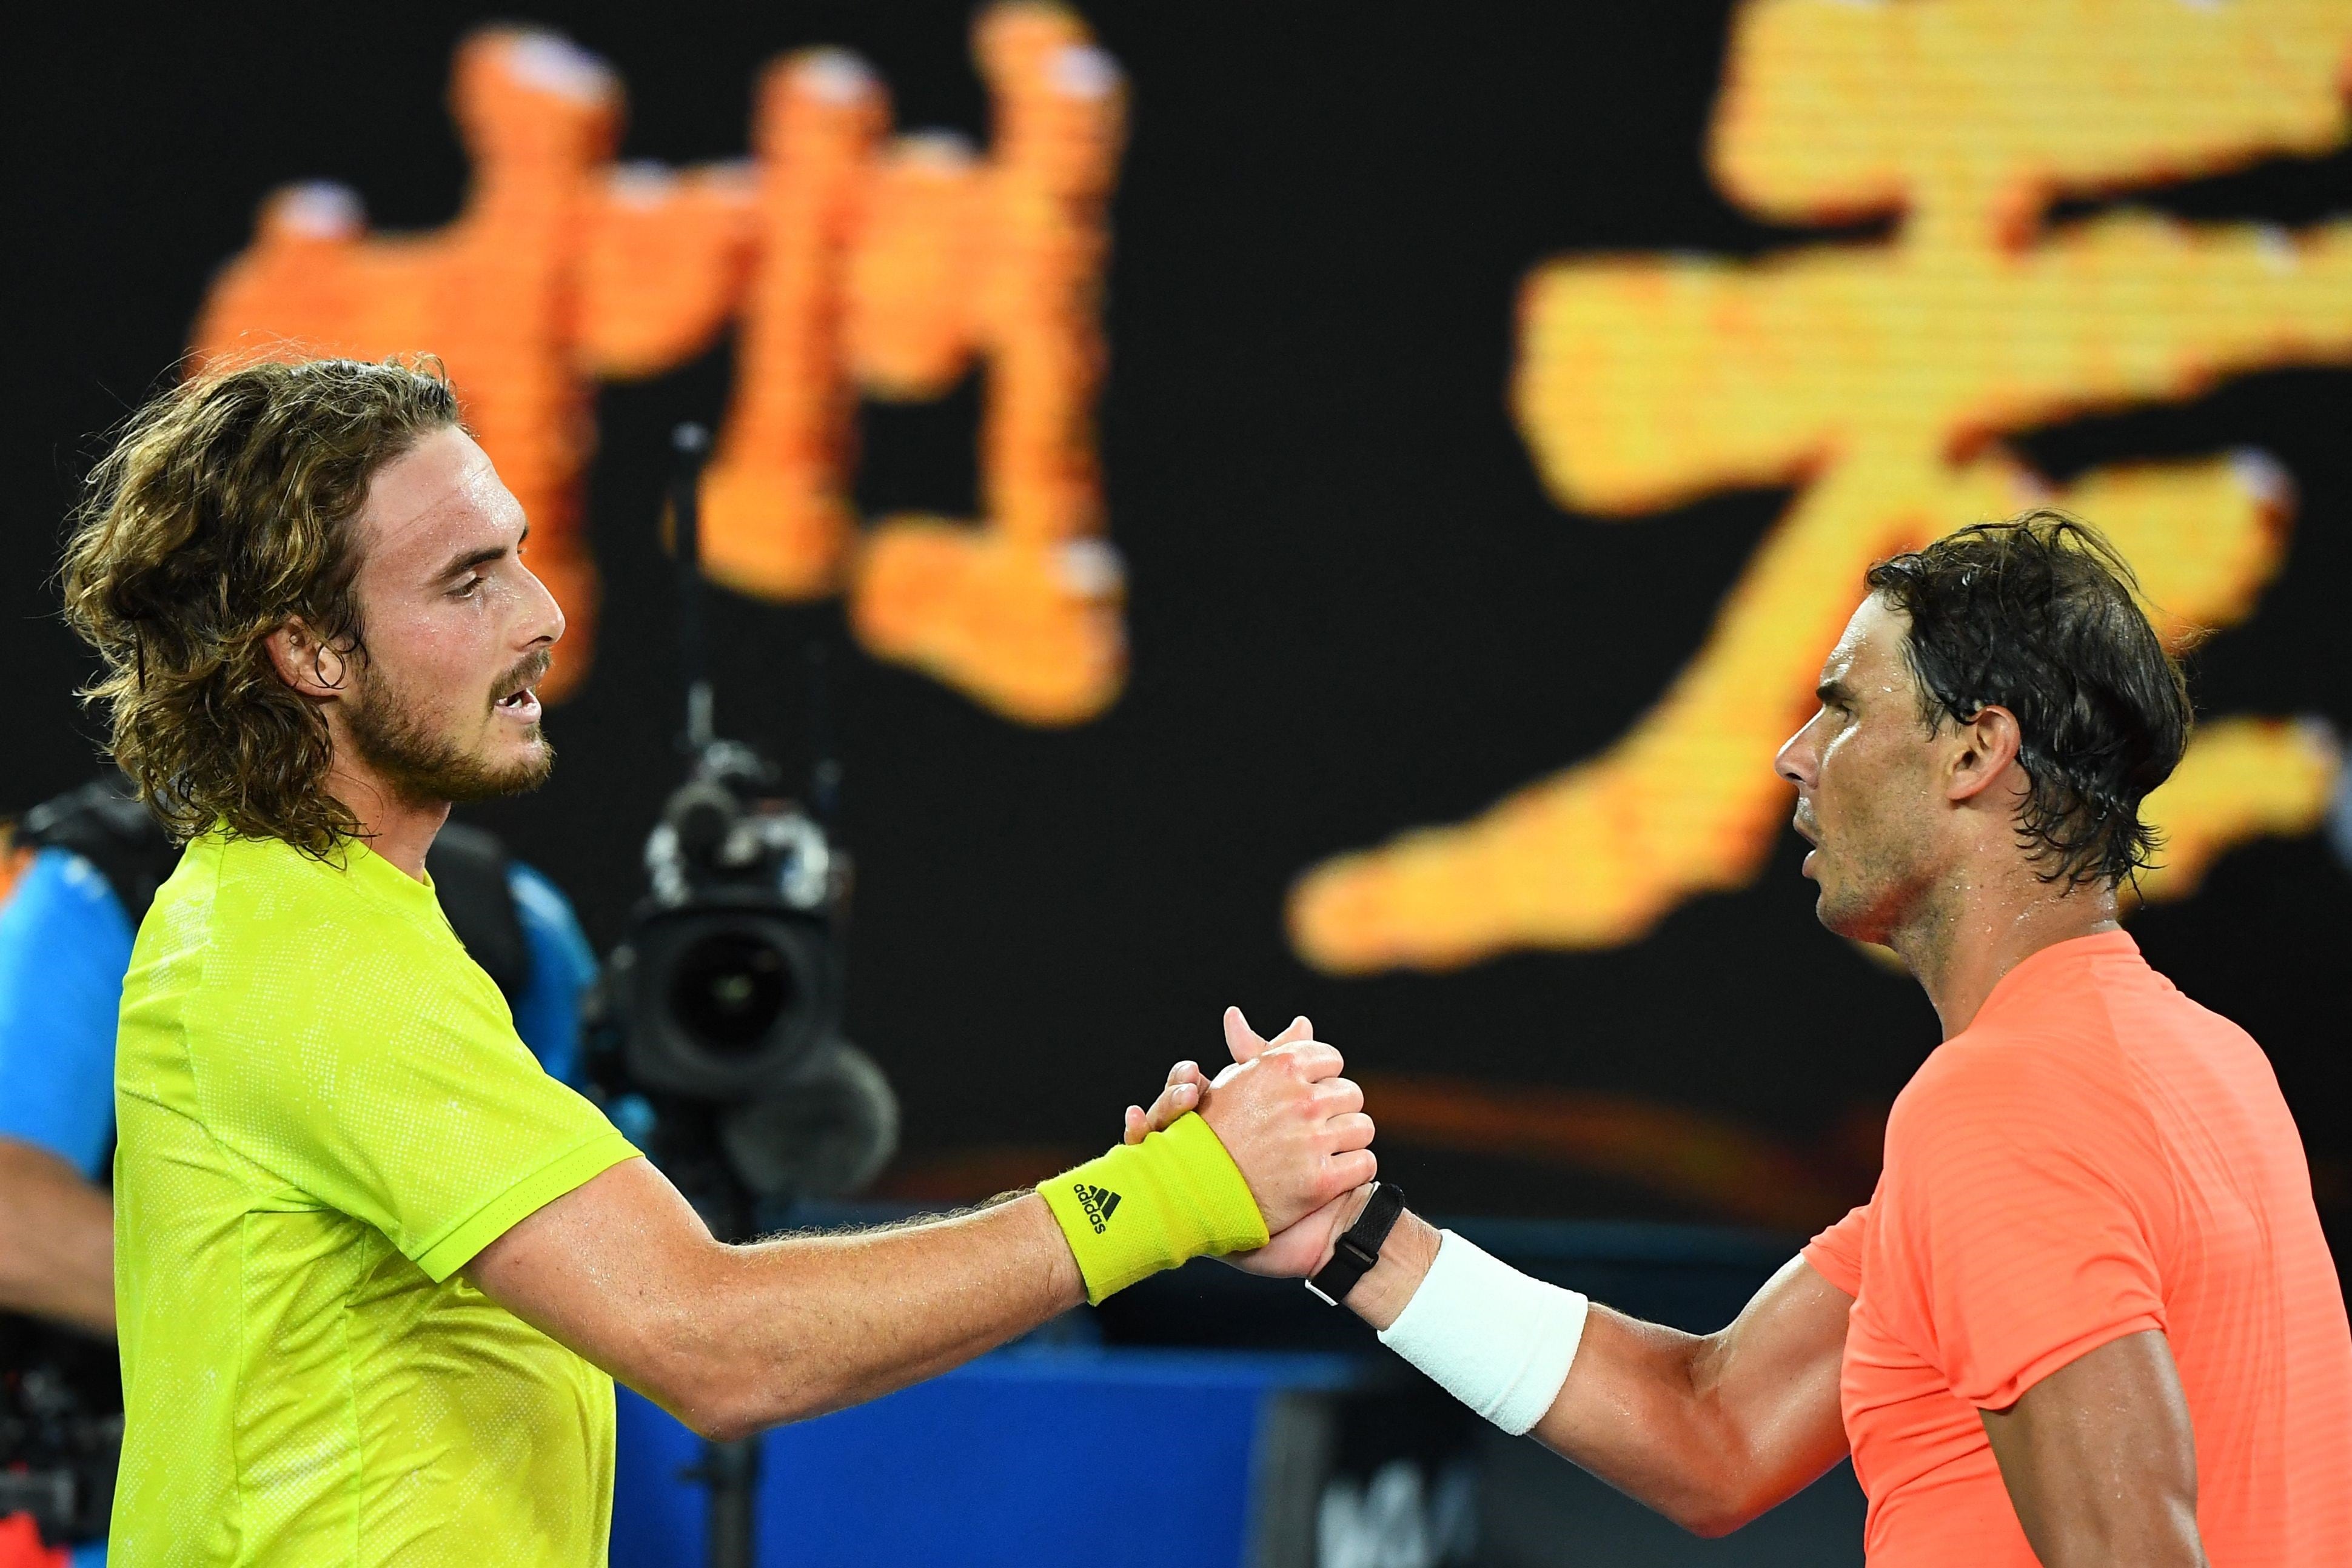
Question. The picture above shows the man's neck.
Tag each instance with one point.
(399, 829)
(1973, 931)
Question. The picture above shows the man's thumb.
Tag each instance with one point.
(1240, 1039)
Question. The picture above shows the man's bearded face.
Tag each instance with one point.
(438, 700)
(425, 754)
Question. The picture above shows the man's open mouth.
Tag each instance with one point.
(521, 699)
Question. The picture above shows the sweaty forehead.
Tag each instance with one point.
(440, 497)
(1869, 653)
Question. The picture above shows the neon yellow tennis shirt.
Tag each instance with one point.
(324, 1112)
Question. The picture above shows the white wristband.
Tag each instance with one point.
(1496, 1340)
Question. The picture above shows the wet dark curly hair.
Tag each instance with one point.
(223, 511)
(2039, 615)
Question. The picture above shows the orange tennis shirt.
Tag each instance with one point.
(2094, 1155)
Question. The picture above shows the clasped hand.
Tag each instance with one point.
(1293, 1126)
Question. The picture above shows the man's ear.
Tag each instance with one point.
(1985, 747)
(310, 666)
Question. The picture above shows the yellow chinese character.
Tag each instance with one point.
(1877, 379)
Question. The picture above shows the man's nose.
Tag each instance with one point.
(543, 616)
(1794, 761)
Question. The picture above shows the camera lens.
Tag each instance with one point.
(723, 1001)
(729, 989)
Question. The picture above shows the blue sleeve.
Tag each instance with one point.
(65, 942)
(547, 1014)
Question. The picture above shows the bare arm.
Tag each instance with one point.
(733, 1339)
(1711, 1430)
(56, 1240)
(2099, 1460)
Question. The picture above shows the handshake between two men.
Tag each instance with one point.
(1300, 1242)
(1261, 1166)
(1495, 1338)
(1268, 1164)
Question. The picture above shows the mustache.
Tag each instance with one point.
(530, 672)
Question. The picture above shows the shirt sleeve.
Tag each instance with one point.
(2018, 1217)
(395, 1093)
(65, 941)
(1836, 1253)
(563, 965)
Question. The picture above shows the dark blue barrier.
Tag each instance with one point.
(1213, 1420)
(1026, 1458)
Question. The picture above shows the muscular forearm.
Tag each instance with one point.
(736, 1338)
(798, 1327)
(56, 1240)
(733, 1339)
(1644, 1408)
(1709, 1430)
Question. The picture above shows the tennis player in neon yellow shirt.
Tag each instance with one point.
(375, 1269)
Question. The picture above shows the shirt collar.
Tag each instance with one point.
(2047, 965)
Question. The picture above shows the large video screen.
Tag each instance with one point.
(1331, 511)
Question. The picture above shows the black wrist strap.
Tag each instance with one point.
(1359, 1248)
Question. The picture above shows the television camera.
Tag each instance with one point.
(716, 1026)
(714, 1032)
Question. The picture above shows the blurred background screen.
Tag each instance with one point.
(1329, 509)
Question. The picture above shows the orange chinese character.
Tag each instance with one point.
(892, 267)
(853, 262)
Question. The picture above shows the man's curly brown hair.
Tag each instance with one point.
(2039, 615)
(224, 511)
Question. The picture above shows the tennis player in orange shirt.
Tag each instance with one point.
(2088, 1316)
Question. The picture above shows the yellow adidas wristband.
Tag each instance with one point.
(1150, 1205)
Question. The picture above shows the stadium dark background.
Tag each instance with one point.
(1353, 608)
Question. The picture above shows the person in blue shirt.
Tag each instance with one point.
(65, 942)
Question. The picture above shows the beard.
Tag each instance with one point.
(1880, 884)
(423, 767)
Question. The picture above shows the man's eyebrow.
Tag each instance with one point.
(1834, 689)
(474, 558)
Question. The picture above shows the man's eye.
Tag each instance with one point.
(466, 590)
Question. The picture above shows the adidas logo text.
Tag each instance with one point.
(1098, 1203)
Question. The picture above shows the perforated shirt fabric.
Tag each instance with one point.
(65, 941)
(324, 1113)
(2095, 1155)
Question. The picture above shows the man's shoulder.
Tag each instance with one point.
(2081, 1049)
(260, 965)
(274, 864)
(221, 897)
(1999, 1089)
(2016, 1061)
(285, 933)
(262, 889)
